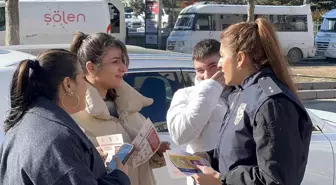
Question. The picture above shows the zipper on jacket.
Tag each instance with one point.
(228, 116)
(233, 105)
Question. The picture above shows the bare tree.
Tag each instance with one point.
(12, 22)
(250, 11)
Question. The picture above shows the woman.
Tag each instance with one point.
(112, 105)
(43, 144)
(265, 136)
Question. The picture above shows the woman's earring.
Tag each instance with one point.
(70, 94)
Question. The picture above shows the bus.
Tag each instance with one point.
(294, 26)
(325, 39)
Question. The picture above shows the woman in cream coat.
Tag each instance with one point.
(112, 106)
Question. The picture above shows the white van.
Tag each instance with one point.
(56, 21)
(325, 40)
(200, 21)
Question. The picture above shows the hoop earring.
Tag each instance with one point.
(70, 94)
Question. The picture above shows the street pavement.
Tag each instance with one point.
(321, 104)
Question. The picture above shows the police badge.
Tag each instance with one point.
(240, 113)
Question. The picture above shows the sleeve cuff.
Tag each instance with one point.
(123, 178)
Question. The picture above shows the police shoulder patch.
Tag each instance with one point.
(269, 86)
(240, 113)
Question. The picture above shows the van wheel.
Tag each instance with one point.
(294, 55)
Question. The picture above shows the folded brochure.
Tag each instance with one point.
(146, 143)
(182, 164)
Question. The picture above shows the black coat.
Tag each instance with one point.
(48, 147)
(265, 137)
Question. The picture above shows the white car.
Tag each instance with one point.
(175, 71)
(9, 57)
(133, 21)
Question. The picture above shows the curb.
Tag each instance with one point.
(317, 94)
(316, 85)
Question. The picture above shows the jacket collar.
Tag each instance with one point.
(254, 78)
(49, 110)
(128, 101)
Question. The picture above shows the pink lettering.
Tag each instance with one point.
(81, 15)
(47, 17)
(57, 18)
(71, 17)
(64, 17)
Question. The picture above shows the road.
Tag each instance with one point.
(321, 104)
(316, 61)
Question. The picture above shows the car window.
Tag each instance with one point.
(160, 86)
(2, 19)
(189, 77)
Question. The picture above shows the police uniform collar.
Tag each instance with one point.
(252, 79)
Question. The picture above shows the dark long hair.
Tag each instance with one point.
(36, 78)
(93, 48)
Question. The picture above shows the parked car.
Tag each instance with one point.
(133, 21)
(159, 76)
(9, 56)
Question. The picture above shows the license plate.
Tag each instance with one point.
(170, 47)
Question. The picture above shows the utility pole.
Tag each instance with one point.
(12, 22)
(250, 10)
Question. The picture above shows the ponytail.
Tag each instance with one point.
(39, 78)
(23, 91)
(77, 42)
(275, 57)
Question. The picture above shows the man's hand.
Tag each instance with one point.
(163, 147)
(219, 77)
(208, 177)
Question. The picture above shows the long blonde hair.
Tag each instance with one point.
(258, 40)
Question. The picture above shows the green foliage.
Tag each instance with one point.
(138, 6)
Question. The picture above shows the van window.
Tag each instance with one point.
(225, 20)
(115, 18)
(184, 22)
(283, 23)
(329, 25)
(2, 19)
(288, 23)
(204, 22)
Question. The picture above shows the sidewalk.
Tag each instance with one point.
(317, 90)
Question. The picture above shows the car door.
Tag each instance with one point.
(320, 166)
(160, 85)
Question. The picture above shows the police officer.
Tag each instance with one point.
(266, 133)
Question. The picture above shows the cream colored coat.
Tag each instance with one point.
(96, 121)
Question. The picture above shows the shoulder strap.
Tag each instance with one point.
(269, 86)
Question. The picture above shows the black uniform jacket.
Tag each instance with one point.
(265, 137)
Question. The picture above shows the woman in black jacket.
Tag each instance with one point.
(265, 136)
(43, 145)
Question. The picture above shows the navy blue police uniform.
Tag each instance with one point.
(265, 136)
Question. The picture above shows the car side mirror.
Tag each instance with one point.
(316, 128)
